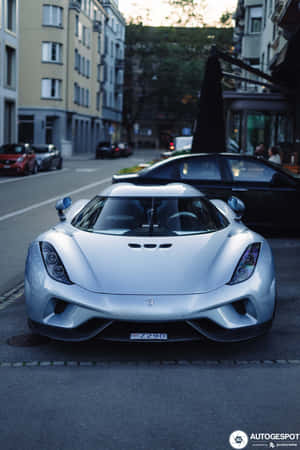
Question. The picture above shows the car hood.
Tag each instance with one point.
(42, 156)
(171, 265)
(12, 156)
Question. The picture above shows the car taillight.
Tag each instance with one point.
(172, 146)
(117, 149)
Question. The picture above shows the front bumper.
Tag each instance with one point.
(12, 168)
(72, 313)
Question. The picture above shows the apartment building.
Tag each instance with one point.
(8, 70)
(260, 111)
(113, 70)
(62, 45)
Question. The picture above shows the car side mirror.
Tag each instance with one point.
(238, 206)
(61, 205)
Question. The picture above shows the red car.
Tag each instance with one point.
(18, 158)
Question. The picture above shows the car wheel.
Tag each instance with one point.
(60, 164)
(35, 169)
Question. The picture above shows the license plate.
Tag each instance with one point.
(6, 166)
(148, 336)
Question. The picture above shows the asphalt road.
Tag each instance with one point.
(99, 395)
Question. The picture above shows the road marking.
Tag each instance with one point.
(53, 199)
(35, 176)
(11, 296)
(86, 170)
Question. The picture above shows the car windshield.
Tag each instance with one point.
(149, 216)
(41, 149)
(12, 149)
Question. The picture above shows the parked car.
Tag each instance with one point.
(107, 150)
(150, 263)
(18, 158)
(47, 156)
(125, 149)
(271, 194)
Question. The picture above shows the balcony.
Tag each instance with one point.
(75, 4)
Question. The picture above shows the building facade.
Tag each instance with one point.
(61, 94)
(260, 113)
(113, 70)
(8, 70)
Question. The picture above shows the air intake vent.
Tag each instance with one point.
(150, 245)
(165, 245)
(134, 245)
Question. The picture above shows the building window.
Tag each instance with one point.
(11, 15)
(79, 63)
(87, 98)
(83, 35)
(51, 88)
(88, 68)
(83, 65)
(98, 101)
(76, 25)
(10, 60)
(52, 16)
(270, 7)
(76, 94)
(262, 64)
(9, 121)
(51, 52)
(255, 19)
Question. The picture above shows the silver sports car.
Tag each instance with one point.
(150, 263)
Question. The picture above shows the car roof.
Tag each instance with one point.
(168, 190)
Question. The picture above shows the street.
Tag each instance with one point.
(100, 395)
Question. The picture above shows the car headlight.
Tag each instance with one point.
(53, 263)
(20, 159)
(246, 264)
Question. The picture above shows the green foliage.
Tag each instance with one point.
(164, 69)
(186, 12)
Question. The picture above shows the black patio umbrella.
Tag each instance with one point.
(209, 136)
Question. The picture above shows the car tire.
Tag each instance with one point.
(59, 166)
(35, 169)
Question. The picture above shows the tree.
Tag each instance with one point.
(164, 68)
(186, 13)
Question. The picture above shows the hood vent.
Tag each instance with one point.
(133, 245)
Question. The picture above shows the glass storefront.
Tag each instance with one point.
(266, 128)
